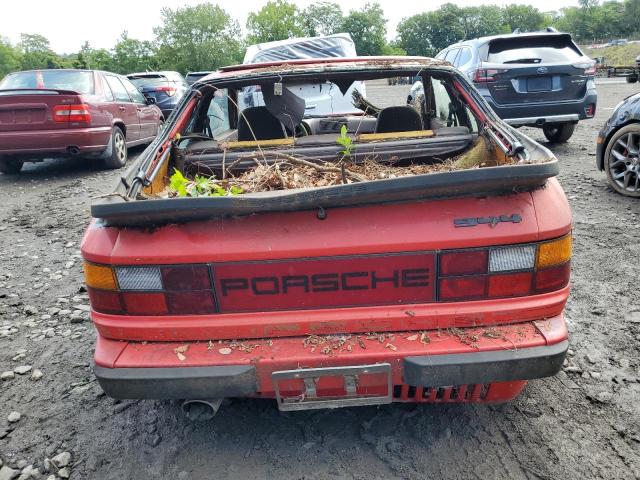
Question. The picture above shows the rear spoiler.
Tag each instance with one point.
(36, 91)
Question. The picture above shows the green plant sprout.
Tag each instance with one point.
(200, 186)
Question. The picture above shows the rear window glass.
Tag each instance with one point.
(533, 50)
(150, 80)
(81, 82)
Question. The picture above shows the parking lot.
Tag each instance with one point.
(583, 423)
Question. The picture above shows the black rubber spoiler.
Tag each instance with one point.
(115, 210)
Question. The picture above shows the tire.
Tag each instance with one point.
(115, 156)
(10, 166)
(558, 132)
(631, 79)
(622, 163)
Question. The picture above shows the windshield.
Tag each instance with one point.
(77, 81)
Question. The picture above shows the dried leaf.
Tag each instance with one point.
(181, 357)
(361, 344)
(225, 350)
(410, 313)
(182, 349)
(412, 338)
(391, 347)
(424, 338)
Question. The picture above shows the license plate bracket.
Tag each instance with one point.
(351, 375)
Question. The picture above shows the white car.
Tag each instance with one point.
(321, 99)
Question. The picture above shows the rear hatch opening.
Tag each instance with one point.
(223, 157)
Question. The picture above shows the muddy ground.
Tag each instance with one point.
(583, 423)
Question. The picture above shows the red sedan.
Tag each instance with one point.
(88, 113)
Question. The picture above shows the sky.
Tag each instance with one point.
(69, 23)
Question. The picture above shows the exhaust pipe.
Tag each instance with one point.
(73, 150)
(201, 410)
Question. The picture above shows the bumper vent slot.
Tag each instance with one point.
(456, 393)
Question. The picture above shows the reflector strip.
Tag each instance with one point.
(139, 278)
(512, 258)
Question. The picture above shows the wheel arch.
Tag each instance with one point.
(607, 139)
(120, 124)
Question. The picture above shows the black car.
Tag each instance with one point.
(538, 79)
(166, 88)
(618, 148)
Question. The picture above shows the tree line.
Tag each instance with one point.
(205, 36)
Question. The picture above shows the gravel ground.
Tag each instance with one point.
(583, 423)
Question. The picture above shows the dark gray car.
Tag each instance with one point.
(539, 79)
(166, 88)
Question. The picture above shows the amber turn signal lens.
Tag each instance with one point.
(554, 253)
(99, 276)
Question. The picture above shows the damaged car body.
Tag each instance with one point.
(386, 253)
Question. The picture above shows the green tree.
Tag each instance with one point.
(36, 53)
(202, 37)
(527, 18)
(414, 34)
(482, 21)
(10, 57)
(132, 55)
(277, 20)
(323, 18)
(368, 29)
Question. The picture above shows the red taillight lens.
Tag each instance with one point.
(588, 67)
(170, 91)
(590, 110)
(190, 303)
(484, 75)
(144, 303)
(464, 263)
(190, 277)
(553, 278)
(72, 113)
(510, 285)
(463, 288)
(105, 301)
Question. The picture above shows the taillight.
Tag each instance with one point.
(150, 290)
(501, 272)
(588, 67)
(169, 91)
(72, 113)
(462, 275)
(484, 75)
(590, 110)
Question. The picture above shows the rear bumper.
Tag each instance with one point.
(472, 359)
(45, 143)
(540, 113)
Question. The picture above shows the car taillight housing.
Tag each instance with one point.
(504, 271)
(484, 75)
(462, 275)
(590, 110)
(588, 67)
(72, 113)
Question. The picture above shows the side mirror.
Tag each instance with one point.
(150, 100)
